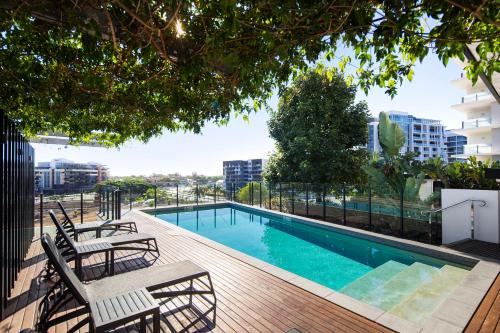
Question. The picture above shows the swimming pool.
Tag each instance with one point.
(387, 277)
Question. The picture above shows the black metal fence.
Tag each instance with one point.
(352, 206)
(82, 207)
(364, 208)
(110, 203)
(16, 205)
(115, 201)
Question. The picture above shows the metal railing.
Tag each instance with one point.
(82, 207)
(363, 208)
(472, 149)
(476, 97)
(476, 123)
(16, 205)
(472, 212)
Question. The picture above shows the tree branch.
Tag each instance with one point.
(476, 13)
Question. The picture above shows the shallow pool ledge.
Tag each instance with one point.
(452, 315)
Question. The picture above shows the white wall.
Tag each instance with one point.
(456, 220)
(495, 114)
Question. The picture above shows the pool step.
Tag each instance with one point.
(400, 286)
(417, 306)
(373, 279)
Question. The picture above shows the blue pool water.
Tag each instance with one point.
(327, 257)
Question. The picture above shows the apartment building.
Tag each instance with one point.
(423, 136)
(482, 112)
(65, 176)
(455, 146)
(241, 172)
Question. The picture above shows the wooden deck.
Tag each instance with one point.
(478, 248)
(248, 299)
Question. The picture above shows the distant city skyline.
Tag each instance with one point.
(429, 95)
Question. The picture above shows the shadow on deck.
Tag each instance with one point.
(249, 300)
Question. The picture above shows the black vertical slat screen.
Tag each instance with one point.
(16, 205)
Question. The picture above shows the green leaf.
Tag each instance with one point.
(391, 136)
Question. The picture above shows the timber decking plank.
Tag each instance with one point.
(248, 299)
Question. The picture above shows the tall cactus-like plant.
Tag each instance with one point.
(390, 135)
(394, 174)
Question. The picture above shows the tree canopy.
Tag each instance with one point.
(319, 132)
(122, 69)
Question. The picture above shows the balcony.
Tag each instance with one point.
(476, 97)
(477, 149)
(463, 83)
(475, 103)
(476, 123)
(475, 126)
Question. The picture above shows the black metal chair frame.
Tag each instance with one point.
(68, 249)
(68, 288)
(69, 225)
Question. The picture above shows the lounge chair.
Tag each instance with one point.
(117, 300)
(106, 245)
(97, 226)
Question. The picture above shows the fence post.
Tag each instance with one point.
(41, 214)
(119, 193)
(343, 204)
(81, 206)
(197, 193)
(370, 208)
(155, 196)
(270, 196)
(130, 197)
(324, 203)
(307, 199)
(113, 205)
(430, 227)
(251, 193)
(177, 194)
(401, 213)
(280, 196)
(293, 199)
(215, 194)
(107, 204)
(260, 194)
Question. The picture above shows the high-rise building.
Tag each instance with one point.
(423, 136)
(455, 146)
(241, 172)
(65, 176)
(482, 113)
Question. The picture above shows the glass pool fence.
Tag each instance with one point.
(365, 208)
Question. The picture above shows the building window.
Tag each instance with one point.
(58, 178)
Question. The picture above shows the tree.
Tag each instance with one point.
(470, 174)
(436, 170)
(137, 184)
(121, 69)
(318, 131)
(394, 174)
(244, 195)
